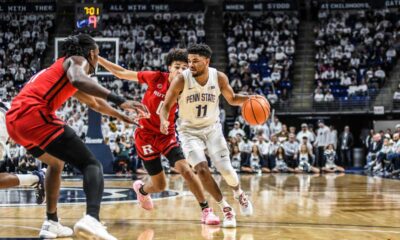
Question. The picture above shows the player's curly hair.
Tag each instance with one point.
(180, 55)
(200, 49)
(78, 45)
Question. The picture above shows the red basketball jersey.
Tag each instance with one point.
(48, 89)
(158, 85)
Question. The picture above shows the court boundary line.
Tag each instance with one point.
(16, 205)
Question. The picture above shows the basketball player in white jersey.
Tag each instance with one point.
(197, 91)
(7, 180)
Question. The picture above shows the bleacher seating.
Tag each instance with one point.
(355, 52)
(261, 51)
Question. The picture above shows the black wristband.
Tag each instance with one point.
(114, 98)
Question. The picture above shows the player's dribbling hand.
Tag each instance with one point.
(164, 127)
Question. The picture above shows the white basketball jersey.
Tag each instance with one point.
(199, 105)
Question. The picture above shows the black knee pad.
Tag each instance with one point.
(174, 155)
(153, 166)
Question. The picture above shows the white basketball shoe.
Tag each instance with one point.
(246, 208)
(89, 228)
(51, 229)
(229, 218)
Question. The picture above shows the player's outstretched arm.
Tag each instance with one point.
(118, 71)
(75, 68)
(171, 97)
(101, 106)
(231, 97)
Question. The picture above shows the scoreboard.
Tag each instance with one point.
(88, 16)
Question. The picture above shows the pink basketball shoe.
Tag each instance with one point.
(144, 200)
(209, 218)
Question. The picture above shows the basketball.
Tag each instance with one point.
(256, 110)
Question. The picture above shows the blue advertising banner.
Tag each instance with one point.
(95, 142)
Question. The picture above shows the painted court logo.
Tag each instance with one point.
(26, 196)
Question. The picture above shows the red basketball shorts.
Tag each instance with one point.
(149, 145)
(34, 128)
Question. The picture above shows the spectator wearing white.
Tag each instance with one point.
(245, 148)
(280, 55)
(275, 126)
(272, 97)
(245, 145)
(391, 54)
(236, 130)
(333, 136)
(319, 96)
(305, 133)
(329, 97)
(273, 145)
(261, 130)
(264, 149)
(290, 50)
(380, 74)
(345, 80)
(355, 61)
(321, 141)
(291, 150)
(276, 75)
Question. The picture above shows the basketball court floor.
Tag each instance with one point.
(286, 206)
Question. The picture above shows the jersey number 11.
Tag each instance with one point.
(201, 111)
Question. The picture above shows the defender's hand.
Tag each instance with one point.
(137, 107)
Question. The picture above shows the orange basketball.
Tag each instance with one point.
(256, 110)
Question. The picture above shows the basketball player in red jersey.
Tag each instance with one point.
(8, 180)
(32, 123)
(150, 143)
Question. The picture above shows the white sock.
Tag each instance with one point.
(223, 204)
(236, 193)
(27, 179)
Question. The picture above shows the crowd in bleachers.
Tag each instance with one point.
(23, 41)
(260, 52)
(355, 51)
(146, 40)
